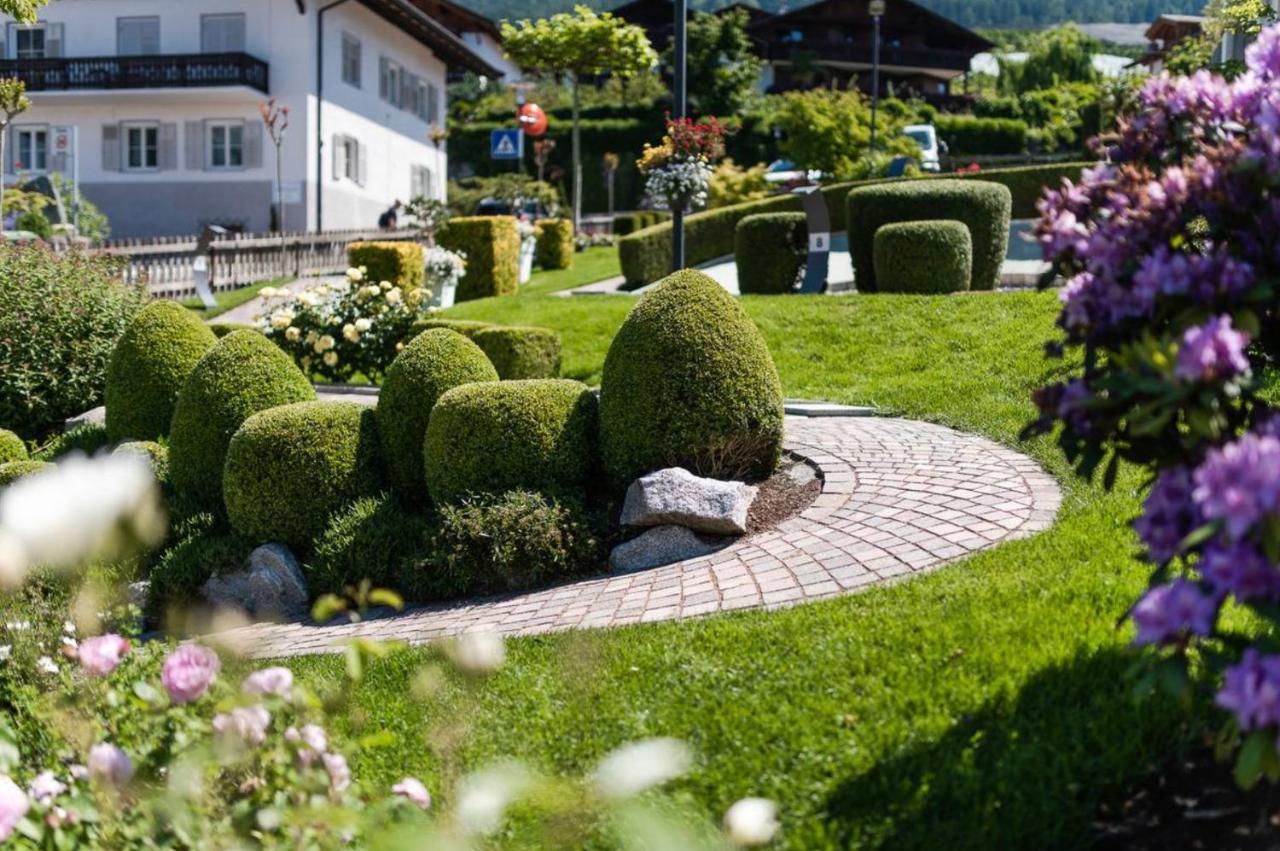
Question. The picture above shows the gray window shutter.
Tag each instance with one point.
(362, 166)
(111, 147)
(193, 139)
(252, 142)
(383, 74)
(339, 157)
(53, 40)
(433, 103)
(168, 140)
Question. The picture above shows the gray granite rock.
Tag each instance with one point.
(138, 593)
(663, 545)
(271, 586)
(677, 497)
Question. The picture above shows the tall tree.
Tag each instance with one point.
(1059, 56)
(728, 69)
(579, 45)
(23, 11)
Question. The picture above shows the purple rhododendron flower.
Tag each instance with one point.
(1169, 514)
(1240, 570)
(1239, 483)
(1213, 351)
(1251, 690)
(1167, 612)
(189, 671)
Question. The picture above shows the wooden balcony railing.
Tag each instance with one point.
(171, 71)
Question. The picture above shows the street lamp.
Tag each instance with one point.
(876, 8)
(680, 98)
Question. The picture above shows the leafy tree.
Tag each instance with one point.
(726, 67)
(830, 131)
(1059, 56)
(13, 102)
(578, 45)
(23, 11)
(1224, 18)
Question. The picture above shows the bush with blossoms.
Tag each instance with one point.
(336, 330)
(678, 171)
(1173, 282)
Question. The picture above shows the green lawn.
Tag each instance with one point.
(594, 264)
(982, 706)
(231, 298)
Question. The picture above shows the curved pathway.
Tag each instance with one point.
(899, 498)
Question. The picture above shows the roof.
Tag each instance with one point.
(408, 16)
(459, 19)
(1174, 27)
(941, 22)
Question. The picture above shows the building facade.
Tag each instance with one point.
(152, 106)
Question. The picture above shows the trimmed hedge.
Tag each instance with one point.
(465, 327)
(689, 382)
(155, 454)
(492, 247)
(554, 248)
(87, 439)
(375, 538)
(11, 471)
(435, 362)
(243, 374)
(400, 262)
(12, 447)
(157, 352)
(982, 207)
(289, 468)
(628, 223)
(771, 250)
(645, 256)
(500, 436)
(521, 352)
(966, 135)
(923, 257)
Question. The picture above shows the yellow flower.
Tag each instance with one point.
(324, 344)
(292, 333)
(312, 336)
(330, 358)
(394, 296)
(399, 347)
(281, 319)
(350, 333)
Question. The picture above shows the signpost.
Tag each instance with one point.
(819, 222)
(506, 144)
(66, 160)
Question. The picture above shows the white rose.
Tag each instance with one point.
(350, 332)
(330, 358)
(354, 275)
(394, 296)
(292, 333)
(363, 325)
(324, 344)
(386, 286)
(281, 320)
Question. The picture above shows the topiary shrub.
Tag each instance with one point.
(521, 352)
(401, 263)
(375, 538)
(465, 327)
(923, 257)
(12, 447)
(243, 374)
(155, 454)
(11, 471)
(492, 247)
(500, 436)
(150, 364)
(434, 362)
(771, 250)
(222, 329)
(289, 468)
(554, 246)
(688, 381)
(512, 541)
(87, 439)
(983, 208)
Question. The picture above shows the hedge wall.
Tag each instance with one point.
(923, 257)
(397, 262)
(492, 246)
(554, 248)
(966, 135)
(770, 252)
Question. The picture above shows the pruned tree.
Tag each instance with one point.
(13, 102)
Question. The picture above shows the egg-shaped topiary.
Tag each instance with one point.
(12, 447)
(150, 364)
(689, 382)
(243, 374)
(434, 362)
(465, 327)
(502, 435)
(11, 471)
(289, 468)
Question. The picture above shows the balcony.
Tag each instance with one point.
(173, 71)
(860, 54)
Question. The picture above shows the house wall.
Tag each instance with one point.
(490, 50)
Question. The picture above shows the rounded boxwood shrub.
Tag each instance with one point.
(12, 447)
(554, 246)
(155, 454)
(222, 329)
(151, 362)
(923, 257)
(434, 362)
(771, 250)
(289, 468)
(465, 327)
(243, 374)
(375, 538)
(11, 471)
(521, 352)
(504, 435)
(689, 382)
(983, 207)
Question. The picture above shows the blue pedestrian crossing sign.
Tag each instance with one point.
(506, 144)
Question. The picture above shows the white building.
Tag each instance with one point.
(162, 101)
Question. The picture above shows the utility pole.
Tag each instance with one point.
(876, 8)
(680, 109)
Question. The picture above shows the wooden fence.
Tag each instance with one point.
(166, 265)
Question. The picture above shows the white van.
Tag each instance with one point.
(931, 150)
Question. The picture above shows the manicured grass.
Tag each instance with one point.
(594, 264)
(982, 706)
(231, 298)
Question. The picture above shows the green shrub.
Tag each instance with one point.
(289, 468)
(554, 246)
(11, 471)
(243, 374)
(628, 223)
(375, 538)
(87, 439)
(434, 362)
(492, 246)
(155, 454)
(512, 541)
(150, 364)
(771, 250)
(465, 327)
(965, 134)
(500, 436)
(181, 572)
(35, 222)
(12, 447)
(923, 257)
(521, 352)
(400, 262)
(982, 207)
(688, 381)
(60, 317)
(222, 329)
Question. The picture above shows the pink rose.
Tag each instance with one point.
(314, 743)
(411, 789)
(110, 765)
(275, 681)
(13, 806)
(246, 725)
(45, 788)
(189, 671)
(339, 771)
(101, 655)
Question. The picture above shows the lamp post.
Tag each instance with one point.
(876, 8)
(680, 109)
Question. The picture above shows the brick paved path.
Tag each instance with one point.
(899, 498)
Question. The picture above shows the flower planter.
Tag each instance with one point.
(526, 260)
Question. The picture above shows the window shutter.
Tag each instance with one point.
(339, 157)
(362, 165)
(53, 40)
(167, 138)
(253, 144)
(111, 158)
(383, 73)
(193, 133)
(433, 103)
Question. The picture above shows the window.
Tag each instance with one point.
(222, 33)
(225, 144)
(348, 159)
(29, 42)
(141, 147)
(417, 96)
(32, 153)
(351, 56)
(389, 81)
(138, 36)
(420, 182)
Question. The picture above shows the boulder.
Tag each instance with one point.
(663, 545)
(677, 497)
(138, 593)
(271, 586)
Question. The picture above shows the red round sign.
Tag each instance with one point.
(533, 121)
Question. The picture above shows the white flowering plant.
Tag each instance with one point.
(679, 185)
(444, 268)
